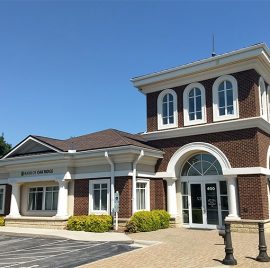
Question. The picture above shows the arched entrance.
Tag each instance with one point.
(203, 191)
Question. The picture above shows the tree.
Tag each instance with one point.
(4, 146)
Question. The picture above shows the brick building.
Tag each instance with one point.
(204, 156)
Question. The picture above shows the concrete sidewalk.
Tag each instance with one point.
(73, 235)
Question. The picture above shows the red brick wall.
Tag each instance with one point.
(81, 197)
(124, 186)
(157, 194)
(239, 146)
(247, 95)
(253, 198)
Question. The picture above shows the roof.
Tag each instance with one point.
(256, 50)
(98, 140)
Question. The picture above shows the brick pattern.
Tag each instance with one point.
(124, 186)
(231, 143)
(157, 194)
(253, 197)
(247, 95)
(264, 143)
(81, 197)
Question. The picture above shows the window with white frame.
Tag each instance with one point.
(99, 196)
(167, 109)
(2, 198)
(225, 98)
(263, 98)
(194, 104)
(43, 198)
(142, 195)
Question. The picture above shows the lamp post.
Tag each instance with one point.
(263, 256)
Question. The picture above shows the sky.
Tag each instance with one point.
(65, 66)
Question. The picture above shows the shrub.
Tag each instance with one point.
(2, 221)
(146, 221)
(164, 218)
(90, 223)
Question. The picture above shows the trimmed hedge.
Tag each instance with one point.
(90, 223)
(147, 221)
(2, 221)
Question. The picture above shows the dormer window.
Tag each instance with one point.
(262, 96)
(194, 104)
(225, 98)
(167, 109)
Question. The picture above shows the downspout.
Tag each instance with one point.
(134, 175)
(108, 158)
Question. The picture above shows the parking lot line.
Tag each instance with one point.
(56, 255)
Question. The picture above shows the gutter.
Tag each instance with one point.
(108, 158)
(134, 175)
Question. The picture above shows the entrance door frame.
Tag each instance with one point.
(202, 180)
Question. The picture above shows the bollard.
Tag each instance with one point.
(229, 258)
(262, 257)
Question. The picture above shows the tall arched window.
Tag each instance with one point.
(202, 164)
(225, 98)
(268, 102)
(262, 97)
(194, 104)
(167, 109)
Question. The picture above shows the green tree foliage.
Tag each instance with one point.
(4, 146)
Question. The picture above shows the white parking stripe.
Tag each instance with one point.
(17, 250)
(3, 243)
(63, 253)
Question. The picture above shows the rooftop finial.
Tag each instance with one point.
(213, 46)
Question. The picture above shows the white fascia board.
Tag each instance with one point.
(25, 141)
(197, 68)
(221, 126)
(80, 155)
(246, 171)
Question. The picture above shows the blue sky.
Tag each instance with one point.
(65, 66)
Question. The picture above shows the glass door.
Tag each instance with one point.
(196, 208)
(211, 204)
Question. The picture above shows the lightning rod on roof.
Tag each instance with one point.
(213, 46)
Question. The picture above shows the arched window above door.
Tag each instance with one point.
(202, 164)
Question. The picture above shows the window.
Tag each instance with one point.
(201, 165)
(167, 109)
(225, 98)
(2, 198)
(43, 198)
(99, 196)
(142, 195)
(223, 200)
(262, 97)
(268, 102)
(184, 192)
(194, 104)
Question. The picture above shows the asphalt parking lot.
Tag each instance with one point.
(35, 252)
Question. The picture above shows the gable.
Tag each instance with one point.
(30, 146)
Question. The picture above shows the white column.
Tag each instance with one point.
(62, 206)
(15, 200)
(171, 196)
(233, 200)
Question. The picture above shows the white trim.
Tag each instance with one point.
(147, 193)
(33, 139)
(218, 81)
(188, 122)
(262, 98)
(2, 211)
(244, 54)
(268, 102)
(183, 153)
(91, 183)
(245, 123)
(160, 109)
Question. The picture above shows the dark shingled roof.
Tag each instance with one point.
(98, 140)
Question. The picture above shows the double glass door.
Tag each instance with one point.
(206, 204)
